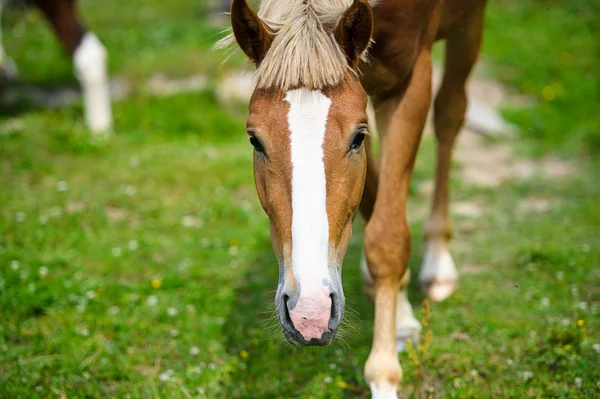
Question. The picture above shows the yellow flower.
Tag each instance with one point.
(156, 284)
(580, 323)
(566, 58)
(244, 354)
(548, 93)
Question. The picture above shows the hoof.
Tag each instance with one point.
(8, 71)
(439, 290)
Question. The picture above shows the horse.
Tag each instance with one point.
(317, 63)
(88, 54)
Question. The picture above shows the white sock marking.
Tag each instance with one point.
(307, 118)
(90, 67)
(438, 270)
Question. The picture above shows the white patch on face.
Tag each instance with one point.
(310, 228)
(90, 67)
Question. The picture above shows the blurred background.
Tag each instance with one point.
(141, 266)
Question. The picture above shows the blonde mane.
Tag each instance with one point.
(304, 52)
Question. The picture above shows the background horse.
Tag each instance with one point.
(307, 124)
(88, 54)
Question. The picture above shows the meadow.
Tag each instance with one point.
(141, 266)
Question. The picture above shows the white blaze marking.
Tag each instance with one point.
(310, 228)
(90, 67)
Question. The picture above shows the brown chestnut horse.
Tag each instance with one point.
(313, 166)
(89, 58)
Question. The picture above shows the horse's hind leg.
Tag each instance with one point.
(439, 277)
(89, 59)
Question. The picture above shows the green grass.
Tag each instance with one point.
(142, 267)
(549, 50)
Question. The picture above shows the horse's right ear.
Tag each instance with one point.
(252, 35)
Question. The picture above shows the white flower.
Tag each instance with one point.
(134, 297)
(90, 294)
(113, 310)
(174, 332)
(133, 245)
(62, 186)
(129, 190)
(152, 300)
(116, 251)
(578, 382)
(596, 347)
(42, 219)
(172, 312)
(20, 217)
(83, 331)
(55, 211)
(43, 272)
(194, 351)
(527, 375)
(166, 376)
(332, 366)
(560, 275)
(191, 221)
(327, 380)
(545, 302)
(15, 265)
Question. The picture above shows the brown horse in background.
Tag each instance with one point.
(307, 124)
(88, 54)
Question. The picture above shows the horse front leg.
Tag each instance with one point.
(387, 234)
(89, 59)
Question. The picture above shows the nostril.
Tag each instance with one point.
(286, 311)
(333, 307)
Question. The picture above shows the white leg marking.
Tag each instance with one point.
(407, 326)
(90, 67)
(385, 391)
(307, 118)
(438, 277)
(7, 66)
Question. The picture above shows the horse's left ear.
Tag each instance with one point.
(251, 33)
(355, 29)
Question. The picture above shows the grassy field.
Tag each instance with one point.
(142, 267)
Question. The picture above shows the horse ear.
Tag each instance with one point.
(355, 29)
(252, 35)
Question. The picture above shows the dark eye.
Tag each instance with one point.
(358, 139)
(258, 147)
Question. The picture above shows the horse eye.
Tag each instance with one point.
(258, 147)
(358, 139)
